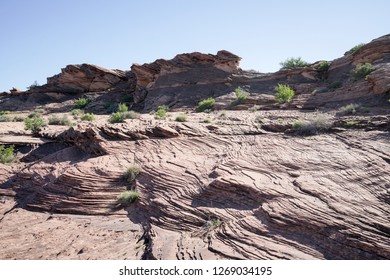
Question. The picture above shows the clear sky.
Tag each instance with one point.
(39, 37)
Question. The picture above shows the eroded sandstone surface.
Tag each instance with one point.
(229, 184)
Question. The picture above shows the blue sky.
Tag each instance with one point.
(39, 37)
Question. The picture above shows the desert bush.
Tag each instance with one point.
(122, 108)
(292, 63)
(88, 117)
(55, 120)
(323, 66)
(207, 121)
(2, 113)
(7, 155)
(34, 123)
(132, 172)
(161, 112)
(214, 222)
(205, 104)
(284, 93)
(4, 118)
(362, 70)
(81, 103)
(181, 118)
(241, 94)
(314, 125)
(116, 117)
(18, 119)
(349, 109)
(33, 85)
(355, 49)
(34, 114)
(128, 197)
(130, 115)
(77, 112)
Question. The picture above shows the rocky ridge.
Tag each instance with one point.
(233, 184)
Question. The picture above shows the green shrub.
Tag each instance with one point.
(7, 154)
(77, 112)
(88, 117)
(241, 94)
(181, 118)
(349, 109)
(355, 48)
(292, 63)
(18, 119)
(128, 197)
(34, 124)
(313, 125)
(4, 118)
(205, 104)
(161, 112)
(34, 114)
(214, 223)
(130, 115)
(323, 66)
(362, 70)
(81, 103)
(284, 93)
(132, 172)
(2, 113)
(55, 120)
(116, 118)
(122, 108)
(33, 85)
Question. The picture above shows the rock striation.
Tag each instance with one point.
(233, 184)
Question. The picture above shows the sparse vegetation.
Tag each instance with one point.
(292, 63)
(81, 103)
(7, 155)
(212, 223)
(116, 117)
(122, 108)
(362, 70)
(88, 117)
(55, 120)
(205, 104)
(181, 118)
(132, 172)
(128, 197)
(323, 66)
(34, 114)
(355, 48)
(207, 121)
(316, 124)
(161, 112)
(4, 118)
(77, 112)
(2, 113)
(34, 123)
(349, 109)
(284, 93)
(18, 119)
(33, 85)
(241, 94)
(130, 115)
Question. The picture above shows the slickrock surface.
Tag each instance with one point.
(230, 184)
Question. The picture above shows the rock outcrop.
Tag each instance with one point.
(85, 78)
(234, 184)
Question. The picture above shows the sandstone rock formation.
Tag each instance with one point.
(85, 78)
(234, 184)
